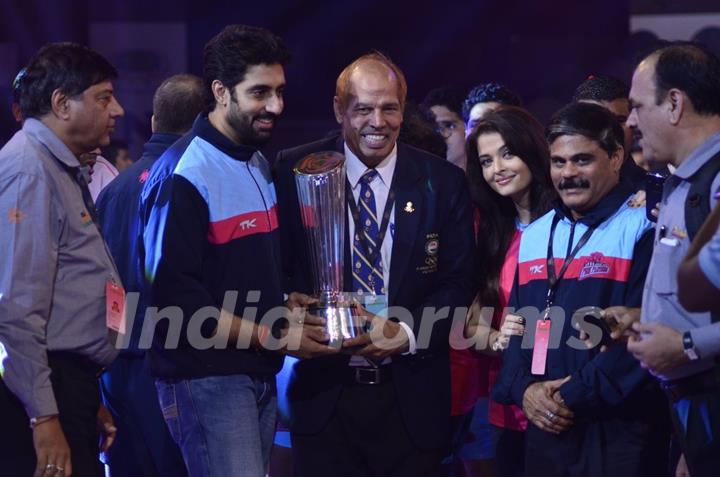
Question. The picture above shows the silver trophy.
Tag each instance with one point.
(320, 180)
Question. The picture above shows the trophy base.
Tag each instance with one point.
(341, 321)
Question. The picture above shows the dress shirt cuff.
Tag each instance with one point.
(41, 403)
(412, 343)
(709, 262)
(707, 340)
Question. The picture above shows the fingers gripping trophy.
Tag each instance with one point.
(320, 181)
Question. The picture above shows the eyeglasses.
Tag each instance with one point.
(445, 128)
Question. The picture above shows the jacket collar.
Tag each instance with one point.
(702, 154)
(607, 206)
(164, 139)
(405, 168)
(355, 167)
(205, 130)
(158, 142)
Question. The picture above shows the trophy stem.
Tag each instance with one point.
(341, 321)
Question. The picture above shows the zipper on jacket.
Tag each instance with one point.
(570, 241)
(262, 196)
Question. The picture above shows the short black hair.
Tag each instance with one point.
(110, 152)
(418, 131)
(177, 102)
(601, 88)
(489, 93)
(69, 67)
(230, 53)
(590, 120)
(16, 85)
(692, 69)
(451, 98)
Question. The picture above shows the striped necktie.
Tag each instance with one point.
(367, 277)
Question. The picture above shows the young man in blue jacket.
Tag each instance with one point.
(212, 262)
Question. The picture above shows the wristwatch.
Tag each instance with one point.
(689, 347)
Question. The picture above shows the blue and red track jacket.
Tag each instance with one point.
(210, 214)
(608, 270)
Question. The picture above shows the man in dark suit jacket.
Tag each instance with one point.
(342, 422)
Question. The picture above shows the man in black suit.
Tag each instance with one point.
(382, 407)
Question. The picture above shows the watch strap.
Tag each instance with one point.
(689, 346)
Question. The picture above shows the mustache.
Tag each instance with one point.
(267, 115)
(574, 184)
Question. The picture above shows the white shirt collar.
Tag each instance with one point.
(354, 167)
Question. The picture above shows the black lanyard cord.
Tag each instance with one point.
(553, 279)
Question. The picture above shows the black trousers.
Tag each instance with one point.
(365, 438)
(74, 383)
(600, 448)
(509, 451)
(696, 422)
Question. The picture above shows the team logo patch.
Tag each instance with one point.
(595, 265)
(144, 176)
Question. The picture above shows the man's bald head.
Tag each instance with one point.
(176, 104)
(371, 63)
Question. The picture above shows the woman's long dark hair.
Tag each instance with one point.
(525, 138)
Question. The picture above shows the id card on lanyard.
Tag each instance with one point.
(543, 326)
(115, 307)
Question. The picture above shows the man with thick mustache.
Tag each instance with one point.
(56, 274)
(385, 410)
(591, 413)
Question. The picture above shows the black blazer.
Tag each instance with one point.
(441, 210)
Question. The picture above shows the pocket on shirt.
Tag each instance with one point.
(666, 260)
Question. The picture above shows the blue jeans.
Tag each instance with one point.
(143, 445)
(224, 425)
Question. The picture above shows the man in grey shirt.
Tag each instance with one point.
(57, 330)
(675, 100)
(699, 274)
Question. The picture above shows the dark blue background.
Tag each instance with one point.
(541, 49)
